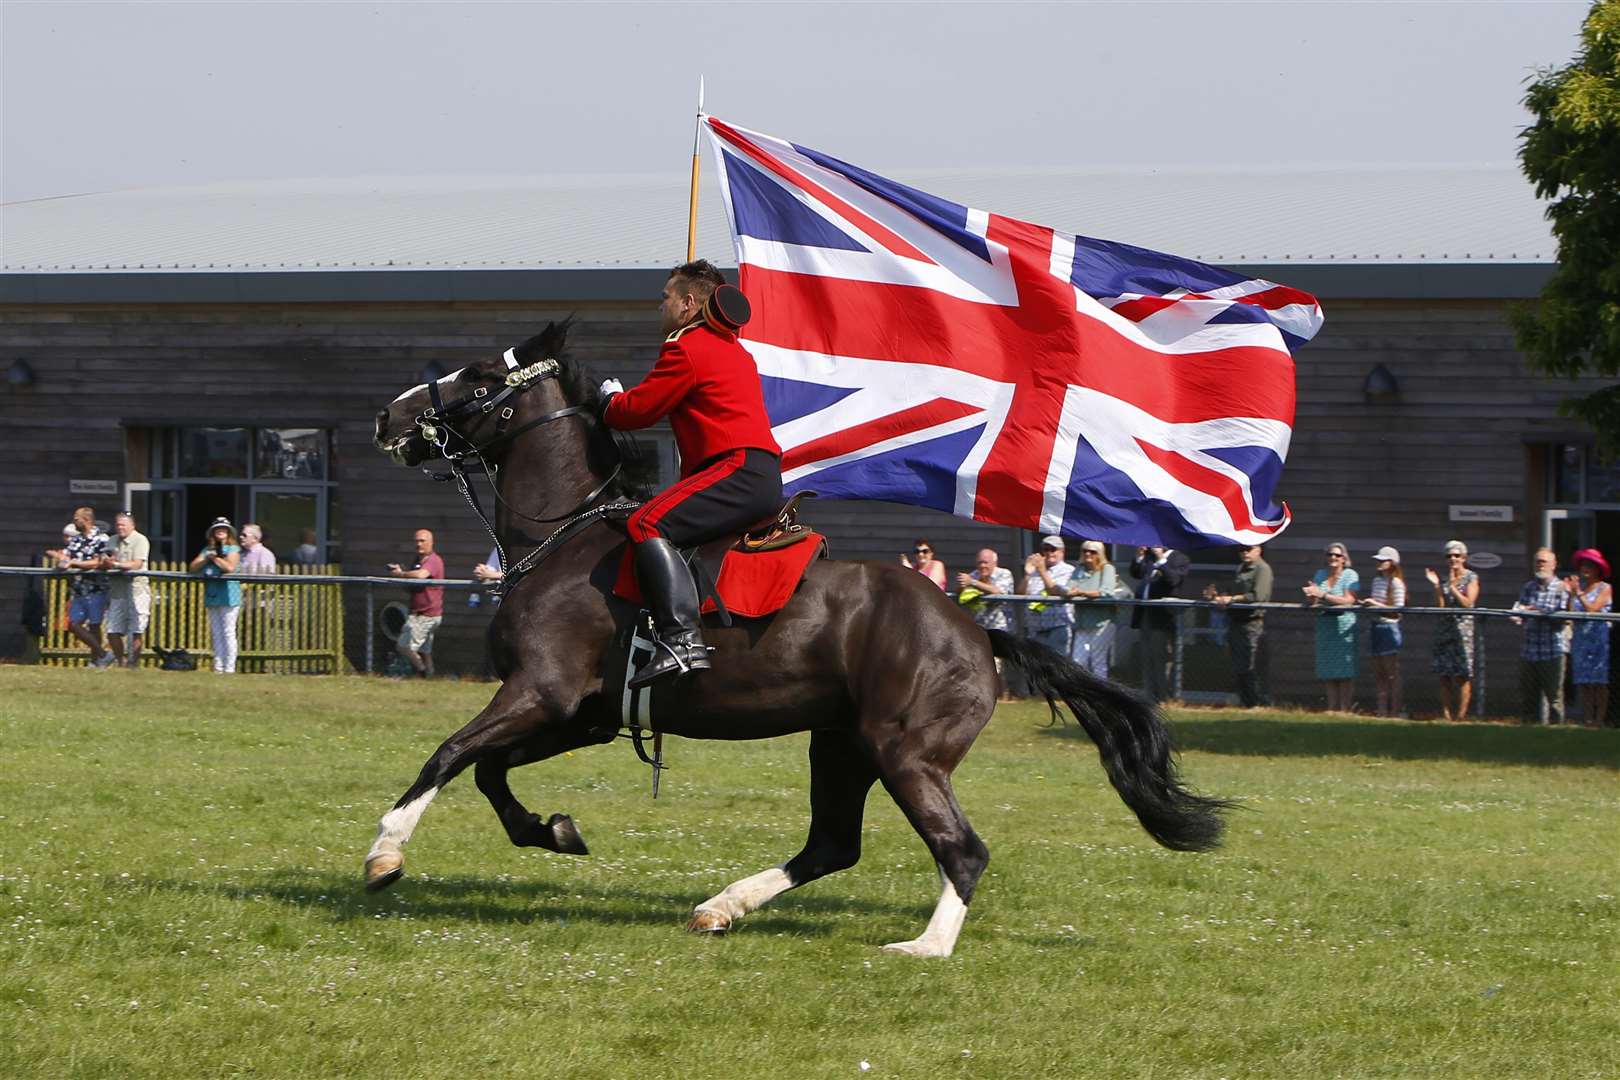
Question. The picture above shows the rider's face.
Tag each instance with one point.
(678, 306)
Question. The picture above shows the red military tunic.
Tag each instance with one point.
(708, 386)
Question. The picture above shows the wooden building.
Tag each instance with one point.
(223, 350)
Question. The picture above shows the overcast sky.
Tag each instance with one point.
(102, 96)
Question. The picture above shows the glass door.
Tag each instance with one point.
(160, 513)
(293, 522)
(1567, 530)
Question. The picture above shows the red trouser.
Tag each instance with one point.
(728, 493)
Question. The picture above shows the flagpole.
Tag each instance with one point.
(691, 212)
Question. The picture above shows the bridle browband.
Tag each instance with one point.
(437, 426)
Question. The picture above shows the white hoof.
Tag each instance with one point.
(919, 947)
(383, 868)
(709, 921)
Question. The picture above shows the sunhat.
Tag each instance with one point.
(1595, 557)
(1387, 554)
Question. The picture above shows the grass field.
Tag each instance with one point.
(180, 869)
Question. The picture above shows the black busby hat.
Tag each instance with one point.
(727, 309)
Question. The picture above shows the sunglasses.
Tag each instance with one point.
(1455, 555)
(923, 551)
(1335, 554)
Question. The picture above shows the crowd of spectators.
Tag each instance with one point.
(1072, 609)
(1082, 621)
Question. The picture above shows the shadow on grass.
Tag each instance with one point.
(1284, 735)
(482, 900)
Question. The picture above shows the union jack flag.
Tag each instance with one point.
(916, 350)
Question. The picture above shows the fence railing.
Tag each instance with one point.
(291, 622)
(294, 622)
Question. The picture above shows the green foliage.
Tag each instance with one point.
(1571, 153)
(180, 878)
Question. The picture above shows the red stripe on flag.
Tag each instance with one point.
(919, 418)
(1278, 296)
(877, 232)
(911, 325)
(1142, 306)
(1210, 482)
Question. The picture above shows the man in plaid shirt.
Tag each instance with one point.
(1546, 643)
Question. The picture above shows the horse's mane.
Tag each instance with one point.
(638, 473)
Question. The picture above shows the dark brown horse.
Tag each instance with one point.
(892, 679)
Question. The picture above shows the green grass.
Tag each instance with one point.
(180, 860)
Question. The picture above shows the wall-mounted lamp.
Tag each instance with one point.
(1381, 385)
(433, 371)
(20, 374)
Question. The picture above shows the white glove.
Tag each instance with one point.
(612, 386)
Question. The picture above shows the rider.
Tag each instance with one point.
(731, 467)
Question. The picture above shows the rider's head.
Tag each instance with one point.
(689, 285)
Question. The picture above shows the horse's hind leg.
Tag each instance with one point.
(510, 717)
(924, 793)
(525, 829)
(841, 774)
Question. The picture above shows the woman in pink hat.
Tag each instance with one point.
(1589, 650)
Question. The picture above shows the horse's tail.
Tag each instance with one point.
(1132, 739)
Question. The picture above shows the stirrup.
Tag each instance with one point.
(682, 657)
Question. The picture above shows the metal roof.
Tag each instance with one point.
(1305, 217)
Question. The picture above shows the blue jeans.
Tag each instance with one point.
(1055, 638)
(88, 609)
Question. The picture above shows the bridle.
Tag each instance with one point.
(437, 425)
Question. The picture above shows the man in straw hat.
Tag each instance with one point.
(731, 466)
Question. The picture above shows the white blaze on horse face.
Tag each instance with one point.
(417, 389)
(749, 894)
(397, 825)
(940, 937)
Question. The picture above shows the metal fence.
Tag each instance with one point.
(294, 622)
(1201, 668)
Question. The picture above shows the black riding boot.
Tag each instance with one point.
(672, 596)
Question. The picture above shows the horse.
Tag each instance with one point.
(892, 680)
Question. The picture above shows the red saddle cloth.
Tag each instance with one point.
(751, 583)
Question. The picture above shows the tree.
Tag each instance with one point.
(1571, 153)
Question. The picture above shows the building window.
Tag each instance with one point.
(181, 478)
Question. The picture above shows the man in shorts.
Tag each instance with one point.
(85, 551)
(427, 605)
(129, 602)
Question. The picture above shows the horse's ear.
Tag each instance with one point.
(547, 344)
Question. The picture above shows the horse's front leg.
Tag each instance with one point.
(525, 829)
(509, 720)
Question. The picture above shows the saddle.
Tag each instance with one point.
(752, 573)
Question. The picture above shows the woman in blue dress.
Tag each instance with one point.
(1333, 589)
(1589, 651)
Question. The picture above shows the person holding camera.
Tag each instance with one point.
(221, 596)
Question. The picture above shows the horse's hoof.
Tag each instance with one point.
(383, 869)
(920, 947)
(705, 921)
(566, 835)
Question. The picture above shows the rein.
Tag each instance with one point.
(436, 428)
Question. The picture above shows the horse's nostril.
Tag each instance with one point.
(382, 424)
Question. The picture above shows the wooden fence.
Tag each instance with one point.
(283, 627)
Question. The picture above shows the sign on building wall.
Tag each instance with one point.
(1481, 513)
(92, 487)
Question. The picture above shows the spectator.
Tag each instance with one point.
(1333, 589)
(427, 605)
(130, 596)
(988, 579)
(222, 596)
(256, 558)
(1094, 583)
(1546, 642)
(1589, 651)
(1046, 574)
(1159, 572)
(1384, 640)
(1454, 637)
(306, 553)
(85, 551)
(1246, 626)
(490, 569)
(925, 563)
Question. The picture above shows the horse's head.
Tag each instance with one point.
(465, 408)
